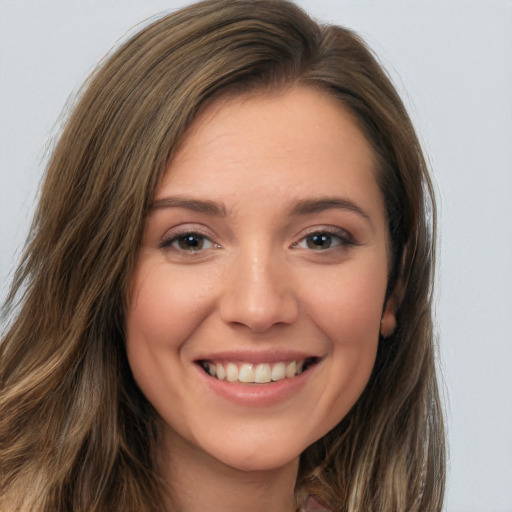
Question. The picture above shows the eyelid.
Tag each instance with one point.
(187, 229)
(345, 236)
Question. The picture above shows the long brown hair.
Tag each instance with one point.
(76, 433)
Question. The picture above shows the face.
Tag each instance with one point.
(258, 294)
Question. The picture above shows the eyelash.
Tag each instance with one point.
(168, 242)
(343, 238)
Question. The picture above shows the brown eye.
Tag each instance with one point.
(191, 242)
(319, 241)
(325, 239)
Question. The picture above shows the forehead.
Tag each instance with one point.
(299, 141)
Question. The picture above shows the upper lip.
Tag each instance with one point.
(257, 357)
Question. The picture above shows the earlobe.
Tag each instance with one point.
(388, 320)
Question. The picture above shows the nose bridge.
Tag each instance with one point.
(258, 292)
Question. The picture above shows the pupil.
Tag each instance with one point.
(188, 242)
(319, 241)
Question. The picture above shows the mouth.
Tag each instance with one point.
(261, 373)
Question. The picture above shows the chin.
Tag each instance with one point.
(260, 462)
(256, 451)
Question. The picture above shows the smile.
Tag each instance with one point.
(262, 373)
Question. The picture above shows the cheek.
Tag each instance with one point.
(164, 309)
(164, 306)
(348, 308)
(348, 312)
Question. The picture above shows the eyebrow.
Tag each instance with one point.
(302, 207)
(315, 205)
(197, 205)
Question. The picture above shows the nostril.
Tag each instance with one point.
(259, 311)
(258, 292)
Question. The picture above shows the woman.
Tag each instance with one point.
(235, 255)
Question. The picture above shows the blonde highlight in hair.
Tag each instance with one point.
(76, 433)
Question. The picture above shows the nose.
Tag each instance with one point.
(259, 293)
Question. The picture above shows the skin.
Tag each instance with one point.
(258, 282)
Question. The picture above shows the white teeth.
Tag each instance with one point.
(232, 372)
(221, 373)
(246, 373)
(278, 372)
(262, 374)
(291, 368)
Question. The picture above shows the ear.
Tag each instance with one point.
(388, 320)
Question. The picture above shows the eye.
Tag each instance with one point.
(324, 239)
(319, 241)
(188, 242)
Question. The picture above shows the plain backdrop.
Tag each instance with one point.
(452, 63)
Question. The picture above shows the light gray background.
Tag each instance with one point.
(452, 63)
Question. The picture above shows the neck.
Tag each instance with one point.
(197, 482)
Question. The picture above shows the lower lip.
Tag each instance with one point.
(257, 394)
